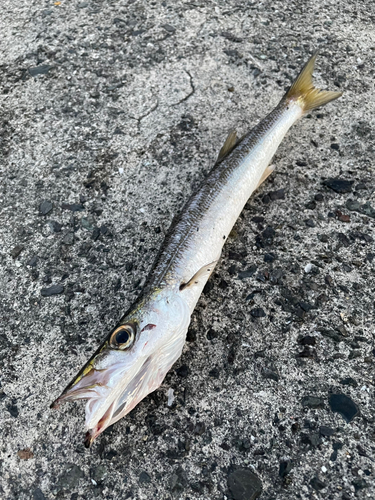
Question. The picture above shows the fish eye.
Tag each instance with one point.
(123, 336)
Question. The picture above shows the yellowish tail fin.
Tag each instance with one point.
(305, 93)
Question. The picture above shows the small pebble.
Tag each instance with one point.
(352, 205)
(244, 485)
(74, 207)
(257, 312)
(13, 410)
(88, 223)
(170, 396)
(33, 261)
(144, 478)
(54, 226)
(211, 334)
(45, 207)
(326, 431)
(38, 494)
(248, 273)
(25, 454)
(342, 217)
(277, 195)
(214, 373)
(307, 340)
(168, 28)
(16, 251)
(317, 484)
(309, 223)
(52, 290)
(183, 371)
(269, 257)
(99, 473)
(339, 185)
(312, 402)
(311, 205)
(70, 477)
(257, 219)
(343, 405)
(39, 70)
(308, 268)
(368, 210)
(285, 467)
(270, 374)
(95, 234)
(328, 279)
(200, 428)
(68, 239)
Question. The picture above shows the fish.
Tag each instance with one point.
(137, 354)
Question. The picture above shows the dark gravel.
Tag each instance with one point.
(339, 185)
(112, 112)
(45, 207)
(243, 484)
(343, 405)
(52, 290)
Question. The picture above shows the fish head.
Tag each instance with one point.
(131, 363)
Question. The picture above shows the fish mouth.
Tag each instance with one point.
(111, 393)
(91, 383)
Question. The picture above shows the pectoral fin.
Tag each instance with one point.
(266, 173)
(201, 275)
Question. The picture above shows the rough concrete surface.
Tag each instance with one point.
(112, 112)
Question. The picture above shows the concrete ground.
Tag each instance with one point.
(112, 112)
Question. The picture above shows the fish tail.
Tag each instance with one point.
(304, 92)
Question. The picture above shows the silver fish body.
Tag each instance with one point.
(203, 227)
(134, 359)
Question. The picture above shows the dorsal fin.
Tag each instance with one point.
(228, 146)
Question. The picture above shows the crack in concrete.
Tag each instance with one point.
(150, 111)
(140, 118)
(190, 93)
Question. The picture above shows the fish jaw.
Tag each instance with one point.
(114, 381)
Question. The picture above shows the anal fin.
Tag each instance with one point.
(266, 173)
(203, 273)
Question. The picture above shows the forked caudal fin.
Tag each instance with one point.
(305, 93)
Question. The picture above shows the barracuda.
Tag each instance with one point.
(137, 354)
